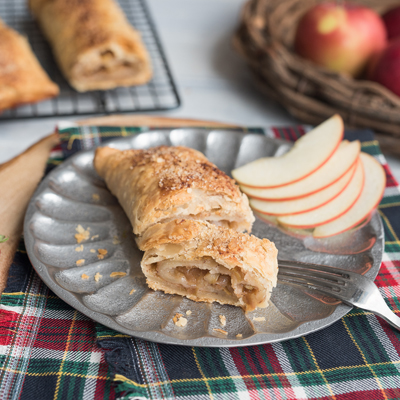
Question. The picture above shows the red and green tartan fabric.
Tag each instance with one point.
(50, 351)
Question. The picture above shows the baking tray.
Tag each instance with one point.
(158, 95)
(73, 194)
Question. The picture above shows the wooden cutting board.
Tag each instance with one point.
(153, 121)
(20, 176)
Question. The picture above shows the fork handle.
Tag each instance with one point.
(389, 316)
(377, 305)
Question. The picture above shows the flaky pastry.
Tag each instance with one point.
(93, 43)
(22, 79)
(166, 183)
(208, 263)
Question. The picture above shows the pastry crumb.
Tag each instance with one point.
(132, 291)
(94, 237)
(79, 248)
(189, 190)
(84, 276)
(97, 276)
(92, 250)
(80, 262)
(258, 319)
(239, 335)
(95, 197)
(160, 160)
(188, 312)
(83, 234)
(176, 317)
(222, 320)
(182, 322)
(116, 240)
(102, 253)
(114, 274)
(179, 320)
(220, 331)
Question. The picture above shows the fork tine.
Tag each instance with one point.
(319, 277)
(309, 273)
(304, 267)
(309, 282)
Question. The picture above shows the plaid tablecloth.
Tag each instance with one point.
(50, 351)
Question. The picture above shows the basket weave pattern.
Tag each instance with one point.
(309, 92)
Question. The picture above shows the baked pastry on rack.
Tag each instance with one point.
(22, 79)
(93, 43)
(208, 263)
(166, 183)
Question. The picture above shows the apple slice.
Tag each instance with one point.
(304, 204)
(342, 160)
(375, 183)
(309, 153)
(335, 208)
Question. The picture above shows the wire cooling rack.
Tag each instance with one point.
(159, 94)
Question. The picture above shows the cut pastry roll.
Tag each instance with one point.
(93, 43)
(166, 183)
(208, 263)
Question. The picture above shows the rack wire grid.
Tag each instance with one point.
(159, 94)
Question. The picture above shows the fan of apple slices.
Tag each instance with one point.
(323, 182)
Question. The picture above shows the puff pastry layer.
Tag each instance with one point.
(93, 43)
(166, 183)
(208, 263)
(22, 79)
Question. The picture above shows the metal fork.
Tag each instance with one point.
(349, 287)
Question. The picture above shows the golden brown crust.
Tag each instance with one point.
(94, 44)
(165, 183)
(189, 241)
(22, 79)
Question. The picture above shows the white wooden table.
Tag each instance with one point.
(214, 83)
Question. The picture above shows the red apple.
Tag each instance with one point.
(392, 22)
(340, 37)
(385, 69)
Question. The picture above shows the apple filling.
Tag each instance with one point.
(206, 278)
(115, 70)
(108, 64)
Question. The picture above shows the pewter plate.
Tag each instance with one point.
(73, 194)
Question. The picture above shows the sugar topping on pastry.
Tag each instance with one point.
(184, 185)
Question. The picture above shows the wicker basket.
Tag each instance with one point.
(309, 92)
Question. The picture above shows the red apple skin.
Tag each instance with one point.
(385, 69)
(340, 37)
(392, 23)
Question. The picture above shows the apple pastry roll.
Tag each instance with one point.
(166, 183)
(93, 43)
(208, 263)
(22, 79)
